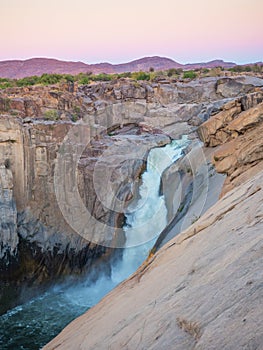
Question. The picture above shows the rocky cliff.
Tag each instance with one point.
(203, 288)
(39, 241)
(91, 140)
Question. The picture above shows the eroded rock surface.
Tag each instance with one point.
(8, 214)
(202, 290)
(38, 242)
(39, 245)
(240, 135)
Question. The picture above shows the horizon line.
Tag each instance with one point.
(125, 62)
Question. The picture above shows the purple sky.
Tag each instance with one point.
(118, 31)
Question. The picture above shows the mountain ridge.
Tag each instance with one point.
(16, 69)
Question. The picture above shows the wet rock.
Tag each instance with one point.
(205, 280)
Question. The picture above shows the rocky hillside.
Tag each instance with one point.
(203, 289)
(51, 138)
(16, 69)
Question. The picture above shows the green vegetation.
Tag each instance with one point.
(74, 118)
(51, 114)
(89, 77)
(174, 72)
(6, 83)
(256, 68)
(189, 74)
(141, 76)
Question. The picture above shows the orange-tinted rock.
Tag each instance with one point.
(246, 120)
(213, 131)
(245, 148)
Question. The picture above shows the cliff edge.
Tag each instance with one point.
(203, 289)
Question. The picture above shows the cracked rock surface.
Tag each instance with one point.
(202, 290)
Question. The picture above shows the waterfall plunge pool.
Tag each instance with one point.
(31, 325)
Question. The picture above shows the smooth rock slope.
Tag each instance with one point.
(202, 290)
(38, 243)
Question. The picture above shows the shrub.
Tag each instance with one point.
(47, 79)
(190, 327)
(125, 75)
(69, 78)
(190, 74)
(141, 76)
(171, 72)
(102, 77)
(27, 81)
(51, 114)
(5, 85)
(74, 118)
(84, 80)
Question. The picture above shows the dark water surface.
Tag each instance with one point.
(32, 325)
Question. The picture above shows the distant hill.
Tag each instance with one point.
(37, 66)
(210, 64)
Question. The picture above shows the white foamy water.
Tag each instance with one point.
(33, 324)
(149, 218)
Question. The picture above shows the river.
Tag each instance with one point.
(33, 324)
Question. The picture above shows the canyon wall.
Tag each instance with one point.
(203, 288)
(96, 138)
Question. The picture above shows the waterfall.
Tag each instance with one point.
(147, 220)
(33, 324)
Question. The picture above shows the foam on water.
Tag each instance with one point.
(31, 325)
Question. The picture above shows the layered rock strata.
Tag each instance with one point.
(38, 244)
(240, 136)
(202, 290)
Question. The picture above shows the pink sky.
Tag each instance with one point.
(118, 30)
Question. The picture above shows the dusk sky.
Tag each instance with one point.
(119, 31)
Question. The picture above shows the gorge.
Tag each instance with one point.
(124, 120)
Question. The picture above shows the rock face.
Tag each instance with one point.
(239, 133)
(202, 290)
(215, 131)
(175, 107)
(38, 241)
(8, 217)
(190, 187)
(39, 137)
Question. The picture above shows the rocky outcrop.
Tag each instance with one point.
(202, 290)
(215, 131)
(190, 187)
(48, 158)
(181, 287)
(175, 107)
(8, 217)
(39, 242)
(239, 133)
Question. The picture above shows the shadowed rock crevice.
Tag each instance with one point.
(37, 244)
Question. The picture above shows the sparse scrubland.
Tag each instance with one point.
(151, 75)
